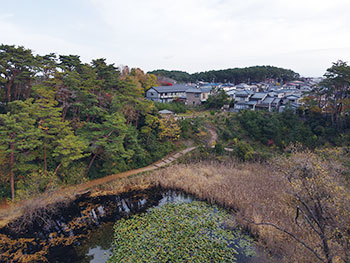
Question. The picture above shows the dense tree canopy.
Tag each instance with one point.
(65, 121)
(234, 75)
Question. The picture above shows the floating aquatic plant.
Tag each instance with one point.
(185, 232)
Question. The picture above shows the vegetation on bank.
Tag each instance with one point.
(298, 207)
(271, 200)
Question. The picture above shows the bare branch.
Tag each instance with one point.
(290, 234)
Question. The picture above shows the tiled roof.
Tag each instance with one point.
(174, 88)
(193, 90)
(258, 95)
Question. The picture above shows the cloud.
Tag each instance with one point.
(215, 32)
(192, 35)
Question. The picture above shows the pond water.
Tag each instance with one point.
(97, 248)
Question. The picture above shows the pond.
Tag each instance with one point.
(98, 247)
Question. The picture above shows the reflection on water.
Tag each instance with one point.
(98, 247)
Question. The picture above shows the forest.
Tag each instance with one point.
(234, 75)
(63, 121)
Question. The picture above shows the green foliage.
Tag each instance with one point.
(65, 119)
(336, 89)
(180, 76)
(219, 148)
(36, 183)
(178, 233)
(235, 75)
(216, 101)
(243, 151)
(176, 107)
(74, 173)
(281, 129)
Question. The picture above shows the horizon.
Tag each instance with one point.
(191, 36)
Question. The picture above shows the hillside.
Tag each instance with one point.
(234, 75)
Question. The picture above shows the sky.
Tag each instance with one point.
(190, 35)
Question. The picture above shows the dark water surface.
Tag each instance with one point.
(97, 248)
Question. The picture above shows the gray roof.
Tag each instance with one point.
(206, 89)
(174, 88)
(242, 85)
(231, 92)
(258, 95)
(268, 100)
(276, 101)
(241, 102)
(251, 102)
(292, 97)
(243, 93)
(194, 90)
(165, 112)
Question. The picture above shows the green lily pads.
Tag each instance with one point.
(185, 232)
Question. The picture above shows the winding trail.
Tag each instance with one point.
(161, 163)
(9, 212)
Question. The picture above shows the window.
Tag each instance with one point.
(196, 95)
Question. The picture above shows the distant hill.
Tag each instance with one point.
(234, 75)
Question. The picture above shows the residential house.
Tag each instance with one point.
(193, 96)
(258, 96)
(269, 104)
(243, 95)
(206, 91)
(168, 93)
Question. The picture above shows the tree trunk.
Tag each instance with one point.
(148, 136)
(90, 164)
(57, 168)
(29, 89)
(9, 88)
(45, 162)
(64, 113)
(326, 248)
(12, 179)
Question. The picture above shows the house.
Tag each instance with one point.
(243, 105)
(243, 95)
(240, 105)
(258, 96)
(291, 99)
(231, 93)
(167, 93)
(206, 91)
(265, 104)
(194, 96)
(275, 105)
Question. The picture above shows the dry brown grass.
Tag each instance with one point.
(252, 190)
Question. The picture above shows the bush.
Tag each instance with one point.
(243, 151)
(36, 183)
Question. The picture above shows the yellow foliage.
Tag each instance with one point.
(169, 129)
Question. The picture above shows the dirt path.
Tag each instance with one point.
(213, 139)
(9, 212)
(104, 180)
(213, 136)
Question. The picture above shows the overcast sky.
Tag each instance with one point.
(191, 35)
